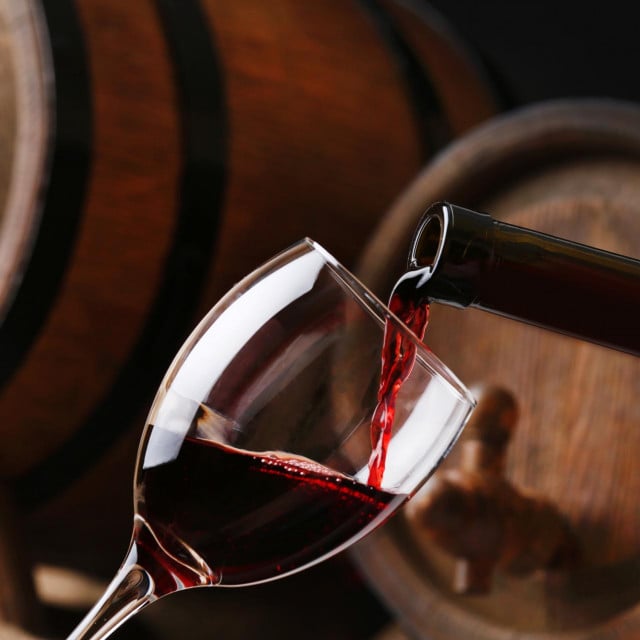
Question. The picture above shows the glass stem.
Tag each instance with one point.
(130, 590)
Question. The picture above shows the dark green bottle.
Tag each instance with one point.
(468, 259)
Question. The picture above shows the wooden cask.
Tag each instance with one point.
(153, 152)
(571, 169)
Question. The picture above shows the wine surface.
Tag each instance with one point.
(398, 357)
(244, 517)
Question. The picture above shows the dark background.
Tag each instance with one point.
(548, 49)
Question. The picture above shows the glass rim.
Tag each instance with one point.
(369, 301)
(381, 312)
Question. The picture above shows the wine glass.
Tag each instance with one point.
(254, 461)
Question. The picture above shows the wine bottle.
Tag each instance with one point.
(465, 258)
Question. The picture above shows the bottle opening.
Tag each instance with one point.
(428, 242)
(428, 239)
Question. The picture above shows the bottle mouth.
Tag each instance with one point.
(428, 240)
(448, 241)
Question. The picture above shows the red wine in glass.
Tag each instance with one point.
(246, 516)
(270, 513)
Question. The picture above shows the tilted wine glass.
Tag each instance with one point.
(254, 460)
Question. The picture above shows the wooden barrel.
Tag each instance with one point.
(571, 169)
(153, 152)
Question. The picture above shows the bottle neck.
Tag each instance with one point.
(464, 258)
